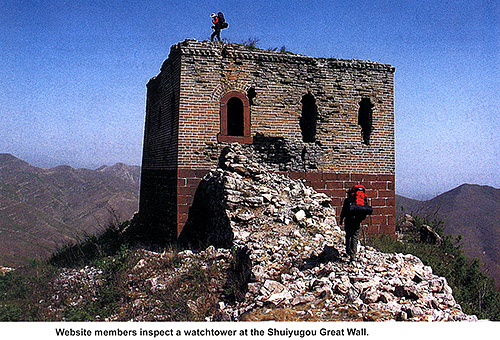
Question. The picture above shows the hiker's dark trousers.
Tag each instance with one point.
(352, 229)
(215, 34)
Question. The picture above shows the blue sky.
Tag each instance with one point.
(73, 74)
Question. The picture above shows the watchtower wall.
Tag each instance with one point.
(327, 121)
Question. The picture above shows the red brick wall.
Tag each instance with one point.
(210, 71)
(187, 183)
(161, 130)
(379, 189)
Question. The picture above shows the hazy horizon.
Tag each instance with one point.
(73, 79)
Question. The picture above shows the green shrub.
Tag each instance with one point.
(26, 292)
(22, 290)
(251, 43)
(92, 247)
(11, 312)
(472, 289)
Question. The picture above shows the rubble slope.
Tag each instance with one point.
(294, 245)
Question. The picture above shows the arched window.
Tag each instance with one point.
(235, 118)
(365, 119)
(251, 94)
(309, 118)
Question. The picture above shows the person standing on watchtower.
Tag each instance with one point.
(219, 23)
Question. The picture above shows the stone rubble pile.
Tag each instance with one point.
(4, 270)
(72, 287)
(426, 234)
(236, 200)
(294, 245)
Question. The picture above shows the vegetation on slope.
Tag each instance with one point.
(25, 293)
(100, 287)
(472, 289)
(100, 279)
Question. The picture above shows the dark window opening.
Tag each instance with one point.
(309, 118)
(365, 119)
(235, 123)
(251, 94)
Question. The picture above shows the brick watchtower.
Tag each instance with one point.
(338, 116)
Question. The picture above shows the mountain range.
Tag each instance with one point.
(470, 210)
(43, 209)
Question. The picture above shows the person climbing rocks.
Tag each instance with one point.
(354, 211)
(219, 23)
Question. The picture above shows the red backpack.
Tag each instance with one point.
(359, 205)
(359, 195)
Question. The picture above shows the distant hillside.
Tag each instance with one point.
(41, 209)
(406, 205)
(472, 211)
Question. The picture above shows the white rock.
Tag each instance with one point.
(300, 215)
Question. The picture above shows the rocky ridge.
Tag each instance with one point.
(293, 244)
(277, 254)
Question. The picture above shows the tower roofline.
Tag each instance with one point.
(192, 47)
